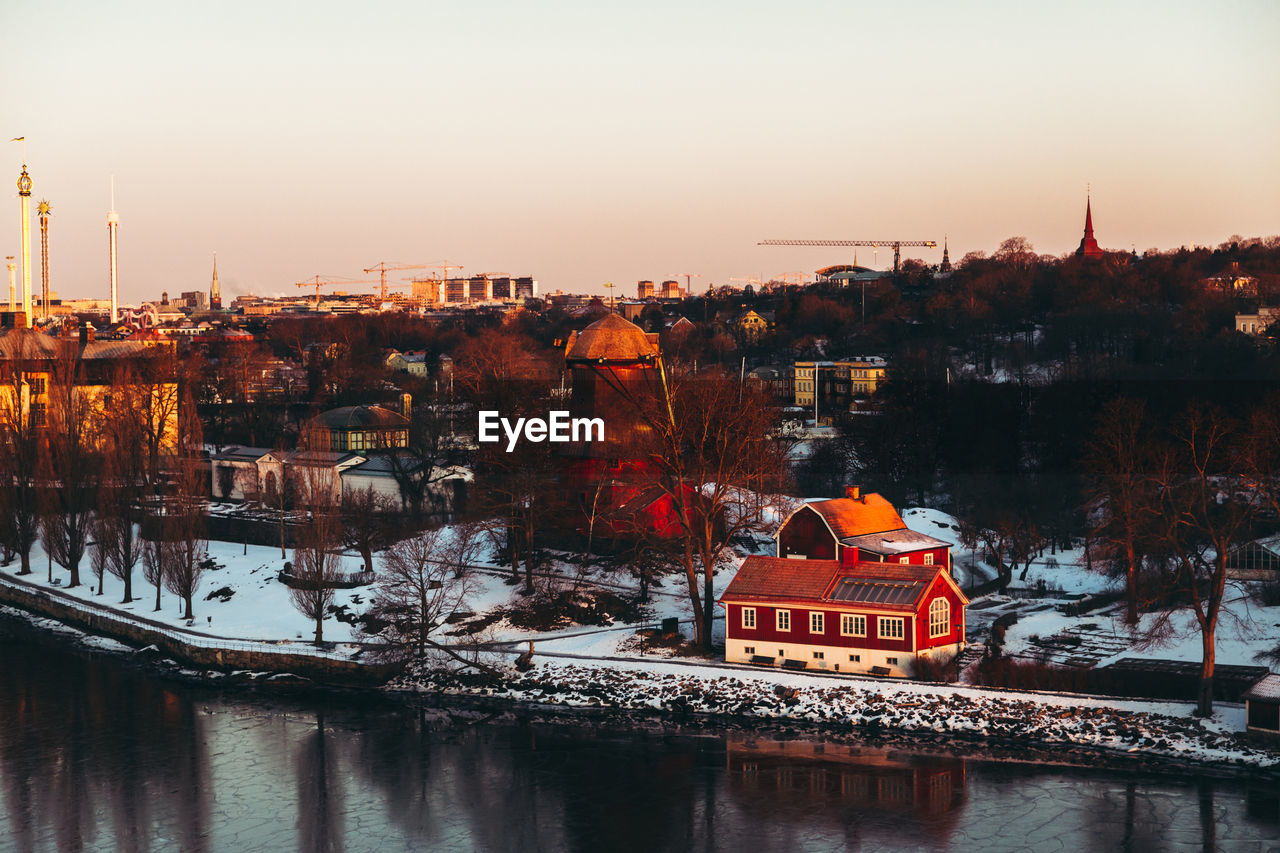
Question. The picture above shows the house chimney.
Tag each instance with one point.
(853, 493)
(86, 333)
(406, 405)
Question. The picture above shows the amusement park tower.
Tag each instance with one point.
(113, 222)
(43, 209)
(24, 205)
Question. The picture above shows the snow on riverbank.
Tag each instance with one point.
(1146, 729)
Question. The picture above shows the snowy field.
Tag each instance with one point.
(259, 607)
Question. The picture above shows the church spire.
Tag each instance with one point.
(1088, 245)
(215, 290)
(946, 257)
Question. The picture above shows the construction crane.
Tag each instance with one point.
(317, 284)
(875, 244)
(688, 280)
(382, 267)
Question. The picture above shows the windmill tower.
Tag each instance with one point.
(43, 209)
(113, 223)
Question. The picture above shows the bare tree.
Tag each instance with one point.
(20, 447)
(1206, 507)
(715, 460)
(366, 522)
(424, 579)
(125, 474)
(316, 561)
(1120, 493)
(186, 537)
(71, 464)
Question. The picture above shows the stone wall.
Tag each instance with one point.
(199, 651)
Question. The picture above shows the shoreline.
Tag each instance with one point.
(868, 714)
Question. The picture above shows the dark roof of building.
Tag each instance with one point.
(239, 453)
(885, 585)
(893, 542)
(1266, 690)
(29, 343)
(611, 338)
(357, 417)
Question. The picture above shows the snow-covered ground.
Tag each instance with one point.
(1162, 729)
(609, 659)
(259, 607)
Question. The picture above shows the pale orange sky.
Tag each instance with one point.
(581, 144)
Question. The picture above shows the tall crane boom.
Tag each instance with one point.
(896, 244)
(317, 284)
(382, 267)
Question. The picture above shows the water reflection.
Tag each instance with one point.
(92, 754)
(855, 789)
(95, 755)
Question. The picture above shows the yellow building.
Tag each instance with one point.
(31, 363)
(837, 384)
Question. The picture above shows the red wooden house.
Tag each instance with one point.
(858, 528)
(861, 617)
(852, 589)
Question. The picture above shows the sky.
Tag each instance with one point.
(588, 142)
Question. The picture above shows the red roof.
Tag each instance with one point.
(886, 585)
(848, 517)
(778, 577)
(611, 338)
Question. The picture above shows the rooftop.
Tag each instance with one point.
(886, 585)
(611, 338)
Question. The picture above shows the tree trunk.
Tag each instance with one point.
(159, 580)
(26, 562)
(189, 614)
(708, 604)
(1204, 702)
(1131, 585)
(319, 627)
(691, 575)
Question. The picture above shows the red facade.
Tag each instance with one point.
(858, 530)
(915, 629)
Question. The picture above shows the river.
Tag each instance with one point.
(97, 754)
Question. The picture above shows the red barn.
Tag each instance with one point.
(856, 617)
(858, 528)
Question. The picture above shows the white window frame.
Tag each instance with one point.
(749, 617)
(939, 618)
(782, 620)
(817, 622)
(902, 561)
(853, 619)
(885, 628)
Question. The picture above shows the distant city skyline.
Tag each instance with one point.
(581, 144)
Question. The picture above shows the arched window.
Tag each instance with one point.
(939, 618)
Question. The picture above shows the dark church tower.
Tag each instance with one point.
(1089, 246)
